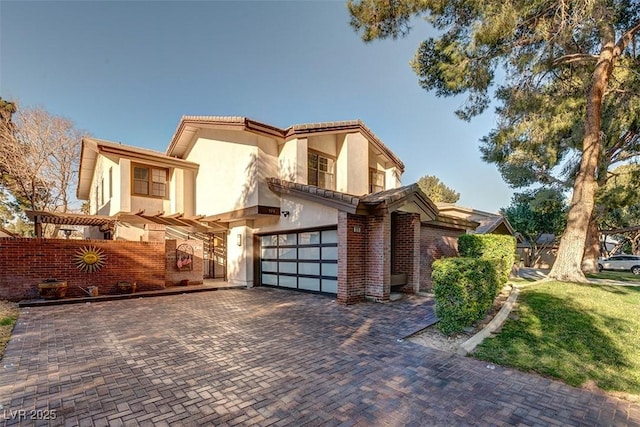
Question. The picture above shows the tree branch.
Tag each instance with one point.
(575, 57)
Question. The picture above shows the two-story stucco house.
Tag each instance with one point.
(316, 207)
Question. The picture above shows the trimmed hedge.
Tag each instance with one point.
(490, 246)
(464, 290)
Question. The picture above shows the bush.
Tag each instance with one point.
(490, 246)
(464, 290)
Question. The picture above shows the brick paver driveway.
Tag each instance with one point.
(266, 356)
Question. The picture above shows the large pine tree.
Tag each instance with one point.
(580, 51)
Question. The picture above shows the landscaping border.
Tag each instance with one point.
(469, 345)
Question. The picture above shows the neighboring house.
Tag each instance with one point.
(489, 222)
(316, 207)
(542, 254)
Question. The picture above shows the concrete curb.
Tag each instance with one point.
(469, 345)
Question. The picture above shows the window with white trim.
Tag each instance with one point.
(321, 171)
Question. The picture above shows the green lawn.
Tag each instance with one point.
(581, 334)
(620, 276)
(8, 317)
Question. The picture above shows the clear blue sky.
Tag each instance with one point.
(127, 71)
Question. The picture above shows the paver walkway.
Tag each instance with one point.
(267, 357)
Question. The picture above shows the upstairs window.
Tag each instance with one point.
(321, 171)
(376, 180)
(148, 181)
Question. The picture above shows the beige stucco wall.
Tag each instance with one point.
(231, 165)
(327, 144)
(353, 165)
(109, 205)
(125, 185)
(182, 191)
(302, 214)
(240, 256)
(393, 178)
(131, 232)
(267, 168)
(292, 160)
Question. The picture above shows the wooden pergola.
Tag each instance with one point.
(108, 223)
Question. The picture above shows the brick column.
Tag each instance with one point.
(406, 248)
(352, 234)
(378, 266)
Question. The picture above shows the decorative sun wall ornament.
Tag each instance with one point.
(89, 259)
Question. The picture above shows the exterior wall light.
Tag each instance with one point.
(239, 239)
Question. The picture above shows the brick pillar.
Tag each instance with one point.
(378, 255)
(352, 233)
(406, 248)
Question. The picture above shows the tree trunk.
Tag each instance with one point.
(567, 267)
(635, 244)
(592, 248)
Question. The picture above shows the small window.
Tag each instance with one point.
(321, 171)
(149, 181)
(376, 180)
(102, 191)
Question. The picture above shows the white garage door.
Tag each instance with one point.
(306, 260)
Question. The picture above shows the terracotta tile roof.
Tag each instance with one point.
(289, 132)
(336, 199)
(390, 195)
(488, 221)
(390, 199)
(489, 224)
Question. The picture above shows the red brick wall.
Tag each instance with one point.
(435, 242)
(378, 258)
(26, 262)
(174, 275)
(405, 238)
(351, 258)
(364, 257)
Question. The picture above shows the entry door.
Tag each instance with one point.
(304, 260)
(215, 257)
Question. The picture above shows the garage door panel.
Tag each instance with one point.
(287, 267)
(330, 286)
(330, 236)
(329, 269)
(288, 281)
(305, 260)
(270, 279)
(269, 253)
(270, 266)
(309, 283)
(309, 253)
(309, 238)
(310, 268)
(330, 253)
(288, 253)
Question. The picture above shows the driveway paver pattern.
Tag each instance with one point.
(267, 357)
